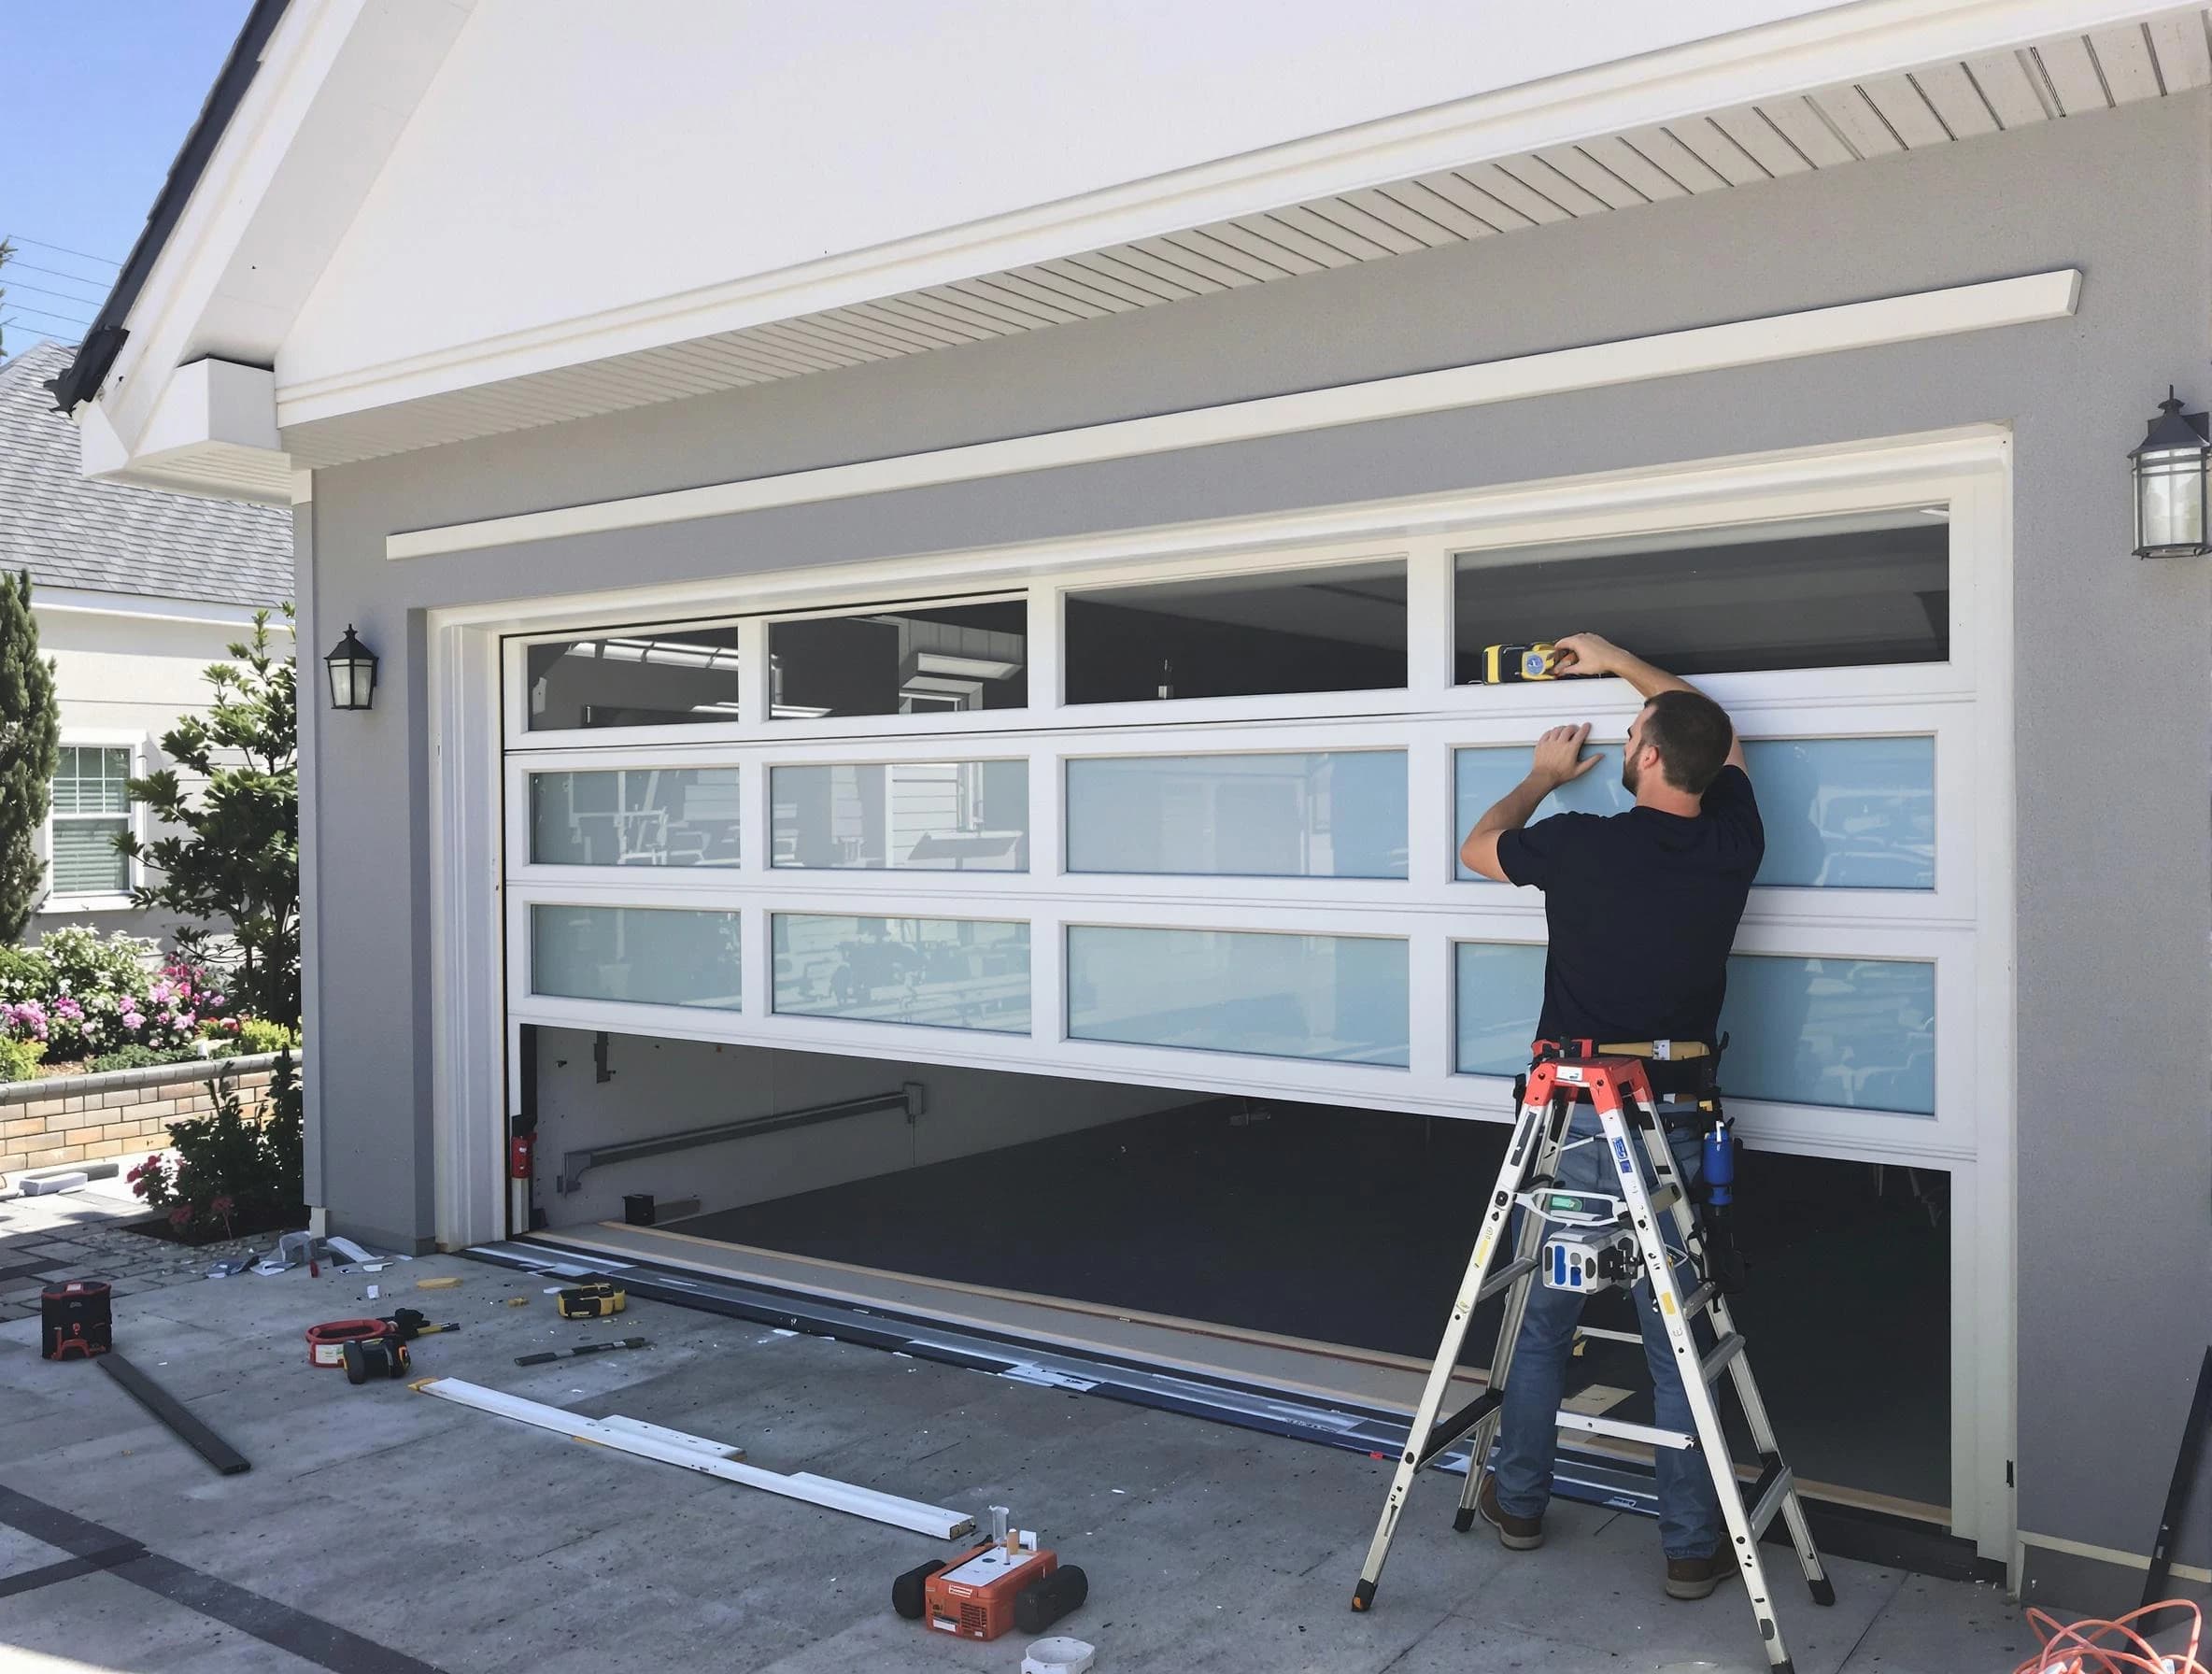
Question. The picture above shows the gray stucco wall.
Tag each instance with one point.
(2115, 855)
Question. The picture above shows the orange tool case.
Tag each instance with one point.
(973, 1595)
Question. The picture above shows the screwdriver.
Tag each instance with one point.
(589, 1348)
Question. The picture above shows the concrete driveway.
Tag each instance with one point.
(384, 1532)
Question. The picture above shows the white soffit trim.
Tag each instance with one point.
(2024, 300)
(1840, 48)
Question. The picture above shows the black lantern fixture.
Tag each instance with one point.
(353, 673)
(2172, 468)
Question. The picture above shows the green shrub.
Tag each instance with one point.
(18, 1059)
(229, 1170)
(257, 1035)
(142, 1057)
(25, 973)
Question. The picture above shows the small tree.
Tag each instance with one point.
(30, 740)
(232, 861)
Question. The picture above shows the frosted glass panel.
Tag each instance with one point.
(1325, 997)
(1854, 1032)
(1858, 1033)
(654, 955)
(1840, 812)
(1337, 813)
(946, 972)
(907, 816)
(1498, 990)
(635, 817)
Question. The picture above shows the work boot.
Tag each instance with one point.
(1515, 1534)
(1696, 1578)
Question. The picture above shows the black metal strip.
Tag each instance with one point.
(173, 1412)
(323, 1643)
(1448, 1430)
(2185, 1473)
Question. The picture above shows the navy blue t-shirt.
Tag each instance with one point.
(1642, 908)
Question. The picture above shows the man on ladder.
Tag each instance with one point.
(1641, 910)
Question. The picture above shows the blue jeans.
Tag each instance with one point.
(1689, 1514)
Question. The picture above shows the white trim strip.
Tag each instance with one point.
(647, 1442)
(144, 607)
(2109, 1554)
(2021, 301)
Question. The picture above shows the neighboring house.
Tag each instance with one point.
(950, 553)
(135, 592)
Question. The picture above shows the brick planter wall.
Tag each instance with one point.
(121, 1113)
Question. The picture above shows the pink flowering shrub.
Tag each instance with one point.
(80, 994)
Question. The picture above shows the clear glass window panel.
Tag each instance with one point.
(1334, 814)
(1839, 813)
(1341, 629)
(1860, 1033)
(91, 779)
(1341, 997)
(635, 817)
(902, 659)
(84, 858)
(1497, 990)
(1855, 1033)
(1822, 593)
(634, 677)
(651, 956)
(904, 816)
(943, 972)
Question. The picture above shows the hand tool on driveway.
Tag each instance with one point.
(546, 1356)
(1008, 1583)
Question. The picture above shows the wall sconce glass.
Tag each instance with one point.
(2171, 468)
(353, 673)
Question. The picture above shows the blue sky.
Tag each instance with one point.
(96, 96)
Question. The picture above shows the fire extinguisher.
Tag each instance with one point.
(522, 1156)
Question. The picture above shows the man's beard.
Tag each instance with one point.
(1630, 776)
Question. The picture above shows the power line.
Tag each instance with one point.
(65, 319)
(59, 249)
(75, 278)
(42, 291)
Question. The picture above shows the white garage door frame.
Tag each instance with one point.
(481, 896)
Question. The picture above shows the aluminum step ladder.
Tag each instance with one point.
(1604, 1240)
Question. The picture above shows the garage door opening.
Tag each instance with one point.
(1312, 1246)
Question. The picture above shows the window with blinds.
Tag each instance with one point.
(92, 807)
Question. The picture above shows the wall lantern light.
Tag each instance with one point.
(2172, 468)
(353, 673)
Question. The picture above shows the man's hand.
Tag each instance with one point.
(1559, 755)
(1587, 654)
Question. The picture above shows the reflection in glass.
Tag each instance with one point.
(1497, 990)
(652, 956)
(1809, 592)
(1339, 814)
(946, 972)
(908, 815)
(643, 677)
(1859, 1033)
(1854, 1033)
(1283, 996)
(1839, 813)
(635, 817)
(1341, 629)
(908, 659)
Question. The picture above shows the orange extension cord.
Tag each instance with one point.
(2093, 1647)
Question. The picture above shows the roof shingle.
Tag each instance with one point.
(108, 537)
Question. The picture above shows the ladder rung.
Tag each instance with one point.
(1700, 1298)
(1714, 1364)
(1448, 1431)
(1505, 1276)
(1767, 1494)
(1607, 1334)
(1663, 1198)
(1589, 1423)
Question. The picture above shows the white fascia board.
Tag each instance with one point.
(142, 607)
(2025, 300)
(1835, 46)
(297, 128)
(212, 431)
